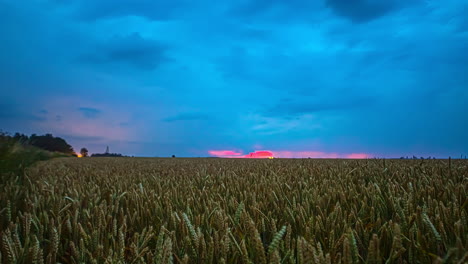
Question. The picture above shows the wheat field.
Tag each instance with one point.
(149, 210)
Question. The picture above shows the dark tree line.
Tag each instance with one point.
(107, 155)
(47, 142)
(414, 157)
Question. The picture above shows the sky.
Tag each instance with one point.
(325, 78)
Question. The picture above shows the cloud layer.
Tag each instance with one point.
(310, 78)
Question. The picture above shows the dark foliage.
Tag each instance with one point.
(84, 152)
(107, 155)
(16, 154)
(51, 143)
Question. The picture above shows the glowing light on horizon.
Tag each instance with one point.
(259, 154)
(305, 154)
(224, 153)
(266, 154)
(357, 156)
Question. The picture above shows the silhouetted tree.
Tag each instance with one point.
(84, 152)
(21, 138)
(173, 156)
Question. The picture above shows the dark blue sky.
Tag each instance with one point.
(155, 78)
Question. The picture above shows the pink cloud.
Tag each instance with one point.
(357, 156)
(304, 154)
(286, 154)
(259, 154)
(221, 153)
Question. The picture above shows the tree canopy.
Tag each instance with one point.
(47, 142)
(51, 143)
(84, 152)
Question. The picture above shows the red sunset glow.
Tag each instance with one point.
(221, 153)
(259, 154)
(357, 156)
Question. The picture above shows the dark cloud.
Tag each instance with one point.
(186, 117)
(360, 11)
(88, 139)
(90, 113)
(279, 10)
(236, 64)
(150, 9)
(295, 107)
(250, 8)
(19, 113)
(463, 24)
(132, 50)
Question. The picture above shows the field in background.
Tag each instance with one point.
(137, 210)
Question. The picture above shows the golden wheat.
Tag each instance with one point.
(142, 210)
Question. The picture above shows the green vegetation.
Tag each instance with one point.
(51, 143)
(19, 151)
(107, 155)
(142, 210)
